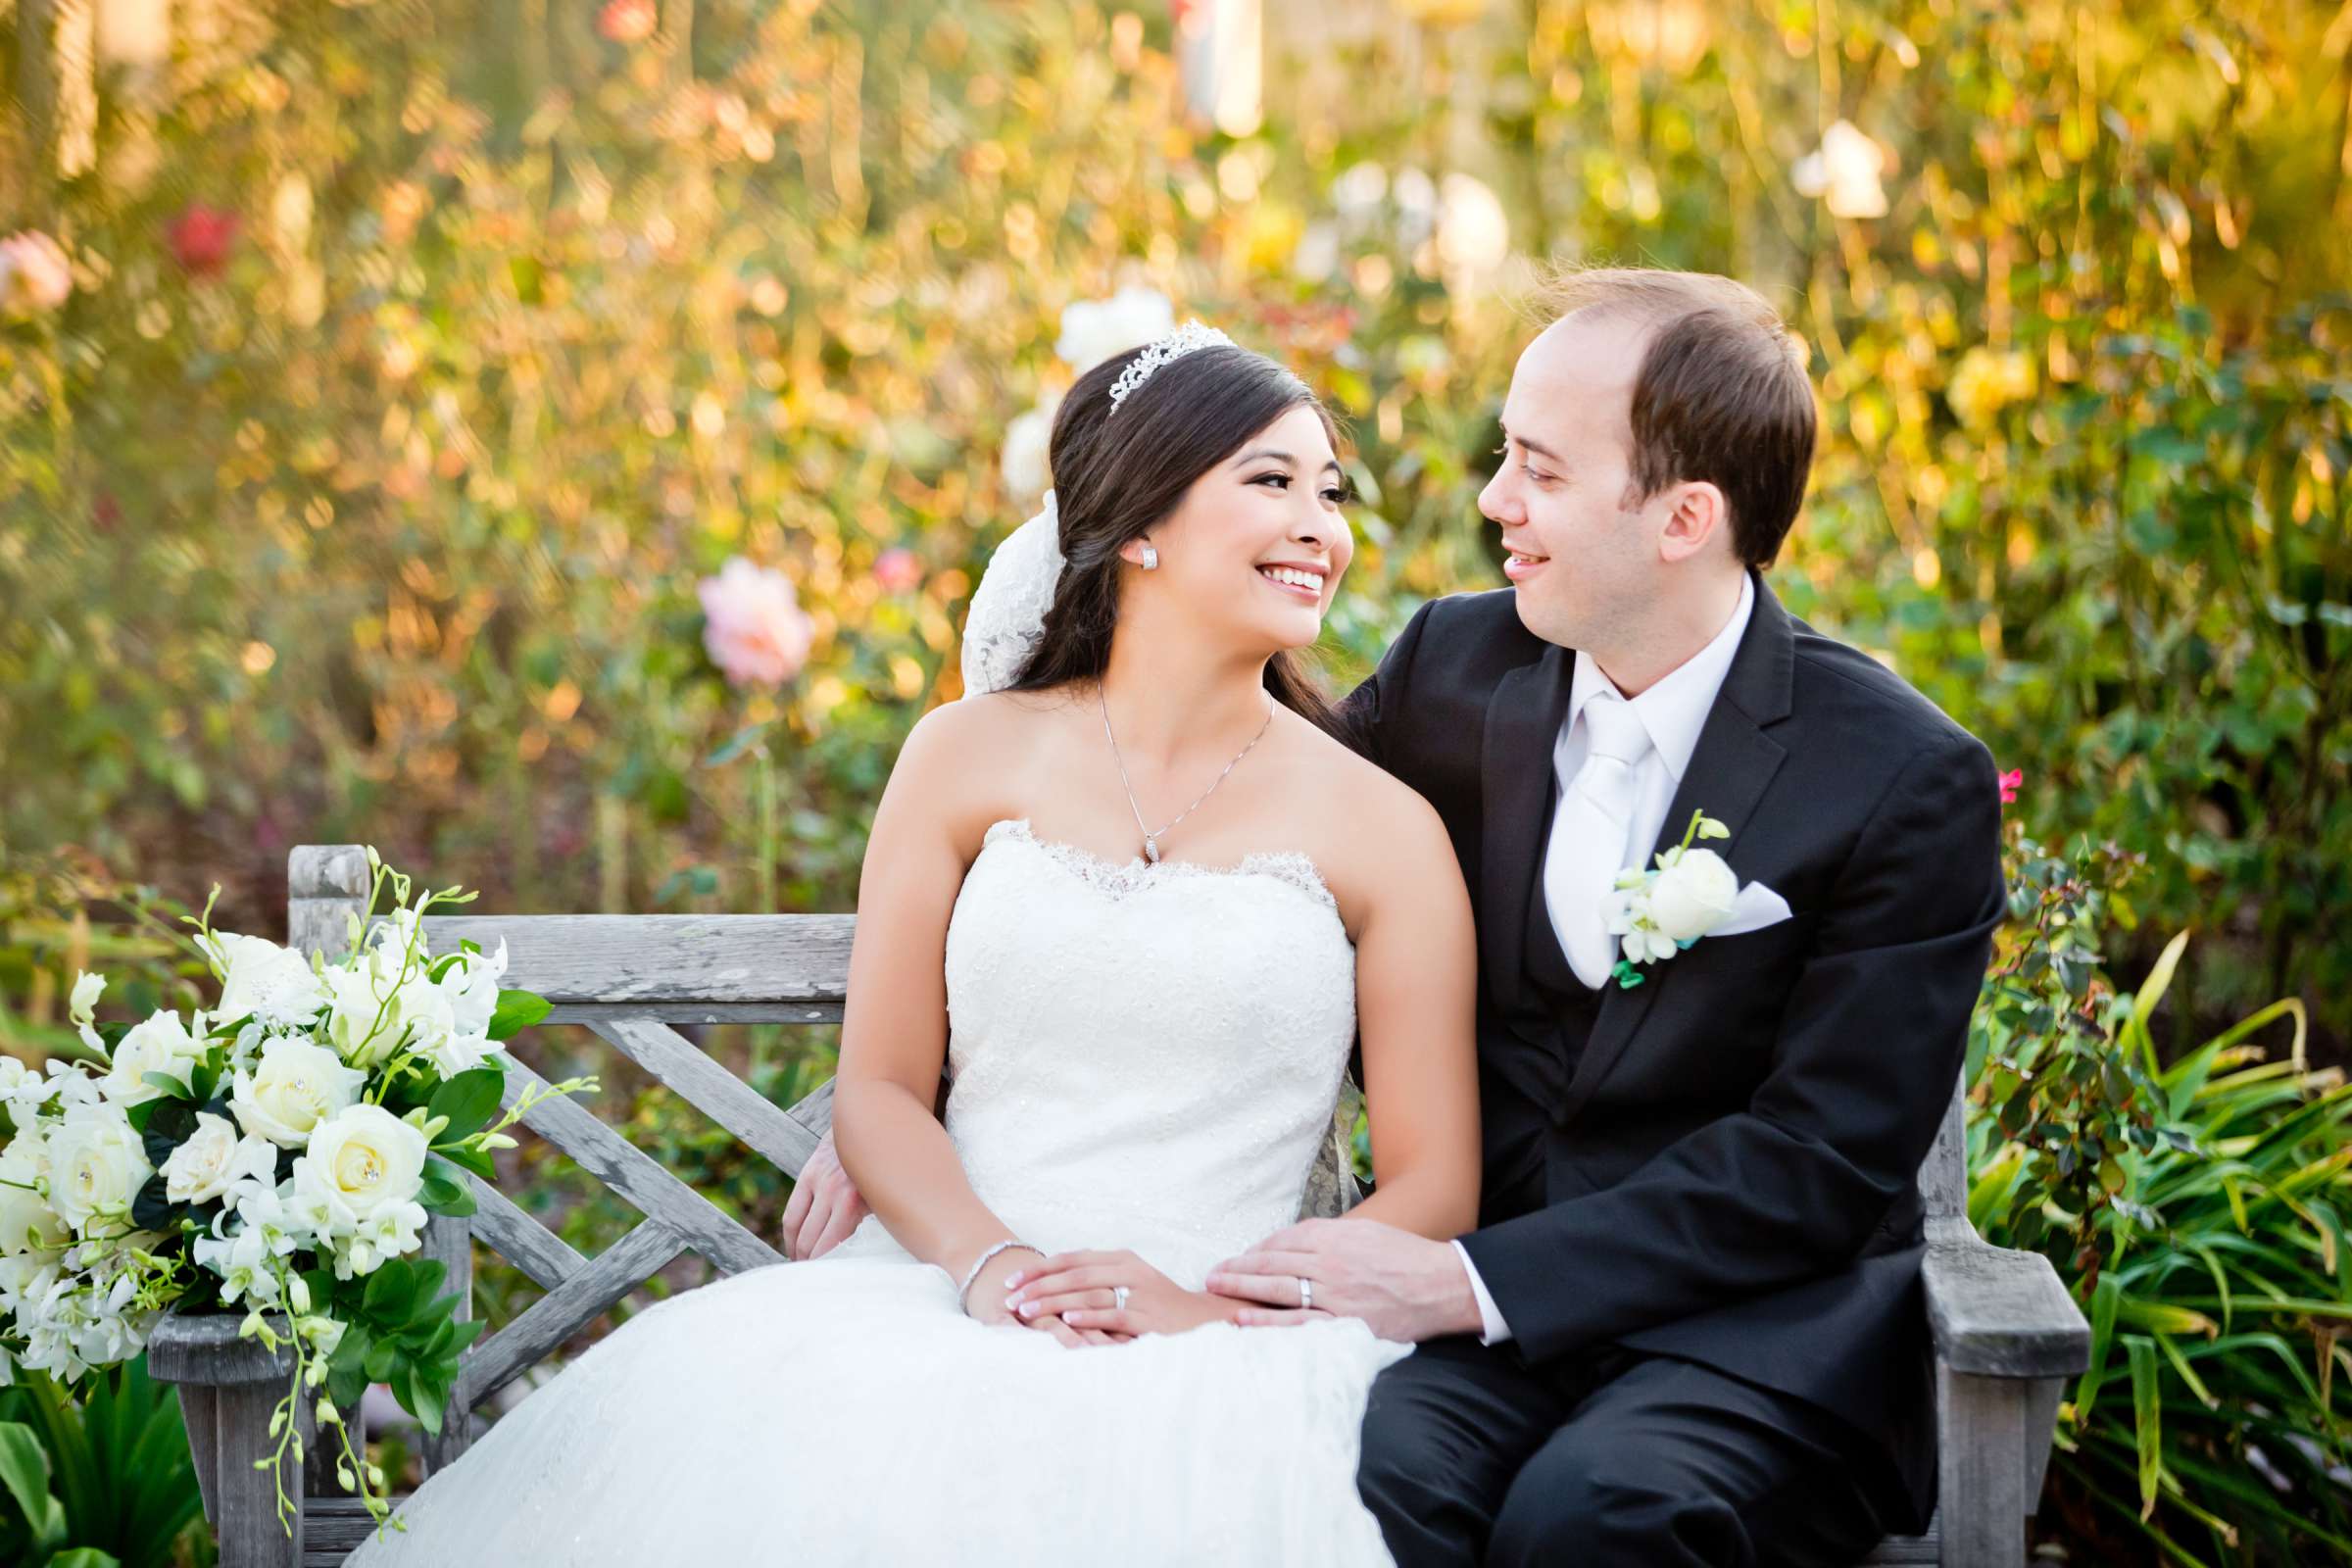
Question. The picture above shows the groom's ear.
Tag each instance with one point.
(1701, 519)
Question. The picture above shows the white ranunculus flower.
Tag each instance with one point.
(365, 1159)
(294, 1087)
(1027, 440)
(212, 1157)
(161, 1044)
(29, 1226)
(1693, 896)
(97, 1164)
(257, 976)
(1093, 331)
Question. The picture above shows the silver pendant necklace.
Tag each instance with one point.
(1152, 839)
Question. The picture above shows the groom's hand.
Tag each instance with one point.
(825, 1207)
(1407, 1287)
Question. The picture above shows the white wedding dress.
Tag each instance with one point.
(1144, 1056)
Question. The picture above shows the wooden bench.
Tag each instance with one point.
(2007, 1335)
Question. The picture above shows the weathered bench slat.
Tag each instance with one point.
(1999, 1312)
(492, 1363)
(521, 1240)
(607, 961)
(712, 1089)
(636, 1176)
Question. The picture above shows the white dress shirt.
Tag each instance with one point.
(1672, 711)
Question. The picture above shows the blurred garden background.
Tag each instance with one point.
(555, 442)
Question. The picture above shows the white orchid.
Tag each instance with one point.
(81, 1008)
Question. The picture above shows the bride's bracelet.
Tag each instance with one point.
(964, 1290)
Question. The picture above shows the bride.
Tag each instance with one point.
(1137, 902)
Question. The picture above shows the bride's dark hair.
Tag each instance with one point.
(1116, 477)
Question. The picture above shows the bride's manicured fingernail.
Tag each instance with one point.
(1027, 1310)
(1014, 1281)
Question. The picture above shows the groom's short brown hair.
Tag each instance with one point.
(1721, 394)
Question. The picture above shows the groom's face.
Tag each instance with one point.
(1584, 561)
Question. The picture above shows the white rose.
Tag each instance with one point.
(1693, 896)
(29, 1226)
(96, 1164)
(259, 977)
(163, 1044)
(202, 1169)
(1093, 331)
(365, 1159)
(296, 1085)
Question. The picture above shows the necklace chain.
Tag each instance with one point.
(1150, 838)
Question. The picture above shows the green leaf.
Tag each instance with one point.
(172, 1087)
(476, 1160)
(518, 1010)
(85, 1558)
(25, 1471)
(381, 1358)
(444, 1191)
(390, 1289)
(2147, 1417)
(468, 1100)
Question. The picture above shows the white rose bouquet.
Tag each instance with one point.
(279, 1152)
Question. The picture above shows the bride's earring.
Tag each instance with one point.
(1151, 557)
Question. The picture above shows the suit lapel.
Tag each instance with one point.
(1730, 767)
(1523, 720)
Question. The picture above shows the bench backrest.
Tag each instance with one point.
(628, 977)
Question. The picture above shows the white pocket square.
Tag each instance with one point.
(1753, 909)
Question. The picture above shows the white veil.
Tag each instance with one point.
(1008, 608)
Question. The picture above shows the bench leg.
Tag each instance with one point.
(243, 1500)
(1987, 1468)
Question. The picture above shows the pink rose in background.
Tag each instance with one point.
(896, 571)
(2010, 781)
(627, 20)
(34, 275)
(754, 626)
(200, 238)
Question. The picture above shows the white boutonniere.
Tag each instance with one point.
(1690, 894)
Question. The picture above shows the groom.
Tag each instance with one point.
(1688, 1328)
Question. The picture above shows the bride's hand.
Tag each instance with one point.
(985, 1301)
(1082, 1289)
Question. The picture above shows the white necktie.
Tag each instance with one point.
(1590, 832)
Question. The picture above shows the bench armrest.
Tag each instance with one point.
(1999, 1312)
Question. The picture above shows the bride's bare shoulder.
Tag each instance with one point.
(1376, 822)
(967, 762)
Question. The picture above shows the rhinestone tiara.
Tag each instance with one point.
(1186, 339)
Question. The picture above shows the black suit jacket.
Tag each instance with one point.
(1729, 1173)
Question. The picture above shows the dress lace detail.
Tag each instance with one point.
(1118, 881)
(1146, 1056)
